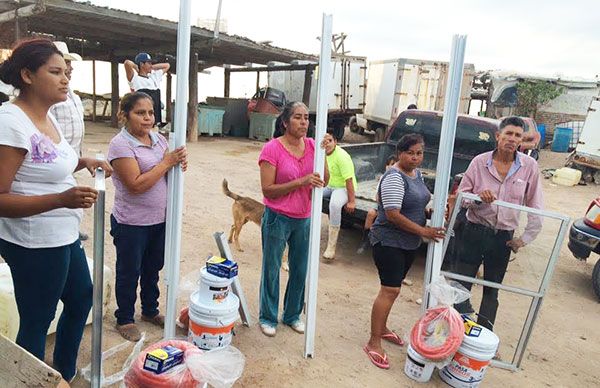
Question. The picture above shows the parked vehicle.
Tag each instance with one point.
(584, 238)
(346, 96)
(474, 135)
(394, 84)
(587, 153)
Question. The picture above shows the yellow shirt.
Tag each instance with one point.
(340, 168)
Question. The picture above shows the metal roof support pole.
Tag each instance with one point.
(444, 163)
(317, 194)
(175, 200)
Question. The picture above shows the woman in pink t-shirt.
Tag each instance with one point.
(287, 179)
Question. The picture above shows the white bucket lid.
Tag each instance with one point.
(228, 306)
(212, 280)
(484, 340)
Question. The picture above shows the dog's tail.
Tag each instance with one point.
(228, 193)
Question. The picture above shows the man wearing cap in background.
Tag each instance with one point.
(145, 76)
(69, 113)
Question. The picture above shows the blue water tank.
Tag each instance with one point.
(542, 130)
(561, 139)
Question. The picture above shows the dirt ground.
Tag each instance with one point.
(564, 350)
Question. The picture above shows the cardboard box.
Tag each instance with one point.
(223, 268)
(163, 359)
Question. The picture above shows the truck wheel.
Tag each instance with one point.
(380, 134)
(354, 128)
(596, 279)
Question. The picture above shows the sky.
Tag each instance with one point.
(549, 37)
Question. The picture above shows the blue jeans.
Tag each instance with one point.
(140, 256)
(41, 277)
(277, 231)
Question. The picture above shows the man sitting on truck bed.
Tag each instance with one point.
(488, 237)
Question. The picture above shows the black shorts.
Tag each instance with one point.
(392, 264)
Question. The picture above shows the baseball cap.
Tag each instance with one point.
(62, 47)
(142, 57)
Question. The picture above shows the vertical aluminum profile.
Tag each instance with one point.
(317, 194)
(175, 200)
(98, 280)
(444, 161)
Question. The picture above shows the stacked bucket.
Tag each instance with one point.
(213, 311)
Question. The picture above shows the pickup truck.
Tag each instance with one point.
(474, 135)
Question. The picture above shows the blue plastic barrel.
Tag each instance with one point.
(561, 139)
(542, 130)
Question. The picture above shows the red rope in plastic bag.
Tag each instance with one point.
(179, 376)
(420, 333)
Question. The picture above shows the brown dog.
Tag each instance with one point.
(245, 209)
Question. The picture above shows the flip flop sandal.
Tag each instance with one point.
(377, 359)
(393, 338)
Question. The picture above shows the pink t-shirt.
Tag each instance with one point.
(295, 204)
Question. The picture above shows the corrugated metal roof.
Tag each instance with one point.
(103, 33)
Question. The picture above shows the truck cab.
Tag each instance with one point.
(474, 135)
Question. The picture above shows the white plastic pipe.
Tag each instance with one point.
(98, 274)
(312, 280)
(175, 190)
(444, 161)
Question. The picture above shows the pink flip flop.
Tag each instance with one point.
(393, 338)
(377, 359)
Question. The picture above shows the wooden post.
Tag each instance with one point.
(94, 90)
(227, 83)
(307, 85)
(192, 123)
(169, 93)
(114, 98)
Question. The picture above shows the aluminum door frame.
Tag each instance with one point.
(536, 295)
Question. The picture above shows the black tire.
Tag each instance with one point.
(380, 134)
(596, 279)
(354, 128)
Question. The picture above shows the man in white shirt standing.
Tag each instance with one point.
(146, 76)
(69, 113)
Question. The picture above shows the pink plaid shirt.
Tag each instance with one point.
(522, 186)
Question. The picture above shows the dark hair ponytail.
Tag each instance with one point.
(30, 54)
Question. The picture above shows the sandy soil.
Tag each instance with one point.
(563, 351)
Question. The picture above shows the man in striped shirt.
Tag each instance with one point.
(69, 113)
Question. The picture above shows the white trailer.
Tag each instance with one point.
(346, 97)
(587, 153)
(394, 84)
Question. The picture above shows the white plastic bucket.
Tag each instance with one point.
(417, 367)
(468, 366)
(213, 289)
(211, 324)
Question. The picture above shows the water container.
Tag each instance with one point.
(566, 176)
(561, 139)
(210, 119)
(262, 125)
(9, 316)
(542, 130)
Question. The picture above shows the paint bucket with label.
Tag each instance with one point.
(468, 366)
(211, 324)
(213, 289)
(417, 367)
